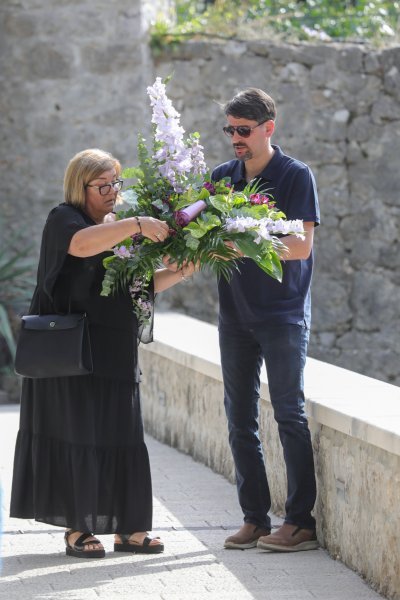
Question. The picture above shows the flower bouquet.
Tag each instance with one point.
(207, 220)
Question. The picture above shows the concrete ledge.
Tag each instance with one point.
(355, 426)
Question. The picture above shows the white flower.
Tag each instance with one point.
(266, 228)
(240, 224)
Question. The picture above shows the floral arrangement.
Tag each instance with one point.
(207, 220)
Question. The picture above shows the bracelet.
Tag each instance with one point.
(139, 224)
(183, 278)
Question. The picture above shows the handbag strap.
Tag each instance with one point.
(41, 288)
(69, 303)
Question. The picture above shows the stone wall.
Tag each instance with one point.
(338, 111)
(74, 75)
(356, 441)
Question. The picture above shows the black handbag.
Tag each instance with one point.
(54, 346)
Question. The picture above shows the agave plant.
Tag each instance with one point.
(16, 284)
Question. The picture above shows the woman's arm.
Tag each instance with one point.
(98, 238)
(165, 278)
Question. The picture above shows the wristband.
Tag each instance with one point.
(183, 278)
(139, 224)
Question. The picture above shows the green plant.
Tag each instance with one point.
(16, 284)
(323, 20)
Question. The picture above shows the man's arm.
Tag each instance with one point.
(298, 249)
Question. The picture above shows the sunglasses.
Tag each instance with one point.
(242, 130)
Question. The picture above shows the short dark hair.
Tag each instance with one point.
(253, 104)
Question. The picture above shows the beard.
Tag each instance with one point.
(242, 152)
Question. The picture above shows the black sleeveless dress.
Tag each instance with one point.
(80, 458)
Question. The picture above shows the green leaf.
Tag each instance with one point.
(168, 78)
(203, 194)
(267, 261)
(5, 331)
(130, 197)
(220, 202)
(158, 204)
(272, 266)
(132, 173)
(191, 242)
(195, 229)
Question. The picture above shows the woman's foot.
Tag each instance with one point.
(83, 545)
(138, 542)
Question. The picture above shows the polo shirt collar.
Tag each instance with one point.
(268, 173)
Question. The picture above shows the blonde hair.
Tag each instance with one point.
(83, 168)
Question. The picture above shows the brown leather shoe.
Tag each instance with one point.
(246, 537)
(289, 538)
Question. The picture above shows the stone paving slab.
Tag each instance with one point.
(194, 511)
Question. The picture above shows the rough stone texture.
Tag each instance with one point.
(338, 110)
(73, 76)
(69, 83)
(187, 393)
(358, 483)
(354, 479)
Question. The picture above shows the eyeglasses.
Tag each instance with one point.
(242, 130)
(106, 188)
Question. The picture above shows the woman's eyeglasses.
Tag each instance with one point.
(106, 188)
(242, 130)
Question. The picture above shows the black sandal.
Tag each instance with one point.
(136, 547)
(78, 549)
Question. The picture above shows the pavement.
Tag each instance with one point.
(195, 509)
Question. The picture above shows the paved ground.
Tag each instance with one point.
(195, 510)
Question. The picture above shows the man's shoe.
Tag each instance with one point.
(246, 537)
(289, 538)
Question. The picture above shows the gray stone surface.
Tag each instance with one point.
(195, 509)
(338, 110)
(355, 430)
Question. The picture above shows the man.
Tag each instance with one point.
(262, 319)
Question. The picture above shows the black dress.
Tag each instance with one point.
(80, 459)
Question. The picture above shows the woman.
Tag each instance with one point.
(81, 461)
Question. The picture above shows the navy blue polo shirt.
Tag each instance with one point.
(252, 297)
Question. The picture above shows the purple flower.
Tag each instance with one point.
(175, 158)
(259, 199)
(122, 252)
(137, 285)
(209, 186)
(184, 216)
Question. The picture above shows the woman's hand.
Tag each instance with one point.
(153, 229)
(166, 278)
(110, 218)
(188, 268)
(171, 266)
(231, 245)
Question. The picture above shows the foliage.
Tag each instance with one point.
(172, 185)
(356, 20)
(16, 284)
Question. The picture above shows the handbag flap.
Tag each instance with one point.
(52, 322)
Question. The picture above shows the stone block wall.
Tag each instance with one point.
(354, 428)
(74, 75)
(338, 111)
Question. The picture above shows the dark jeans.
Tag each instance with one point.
(284, 348)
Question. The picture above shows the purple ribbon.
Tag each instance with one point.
(184, 216)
